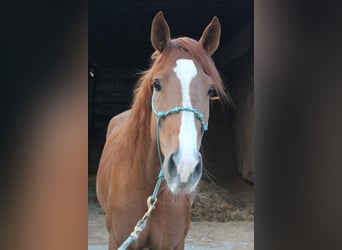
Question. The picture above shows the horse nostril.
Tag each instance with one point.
(171, 167)
(198, 170)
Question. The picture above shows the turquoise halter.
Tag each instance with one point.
(152, 200)
(160, 115)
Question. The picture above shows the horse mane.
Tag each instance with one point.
(138, 125)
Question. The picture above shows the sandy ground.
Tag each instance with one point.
(236, 235)
(234, 209)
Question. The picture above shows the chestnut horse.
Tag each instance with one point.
(182, 75)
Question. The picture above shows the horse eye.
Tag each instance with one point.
(156, 85)
(211, 91)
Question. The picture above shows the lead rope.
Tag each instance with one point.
(152, 200)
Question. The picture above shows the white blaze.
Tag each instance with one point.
(186, 71)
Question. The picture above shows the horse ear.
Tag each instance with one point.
(210, 38)
(160, 32)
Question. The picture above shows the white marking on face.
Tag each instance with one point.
(186, 71)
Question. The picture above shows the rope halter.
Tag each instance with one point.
(160, 114)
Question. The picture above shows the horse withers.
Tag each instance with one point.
(182, 79)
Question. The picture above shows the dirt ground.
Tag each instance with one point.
(222, 218)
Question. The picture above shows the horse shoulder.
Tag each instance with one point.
(116, 122)
(103, 183)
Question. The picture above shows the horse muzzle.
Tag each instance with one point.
(183, 172)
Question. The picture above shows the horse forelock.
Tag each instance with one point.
(187, 47)
(176, 49)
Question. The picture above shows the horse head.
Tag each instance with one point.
(183, 80)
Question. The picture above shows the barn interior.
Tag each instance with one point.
(120, 48)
